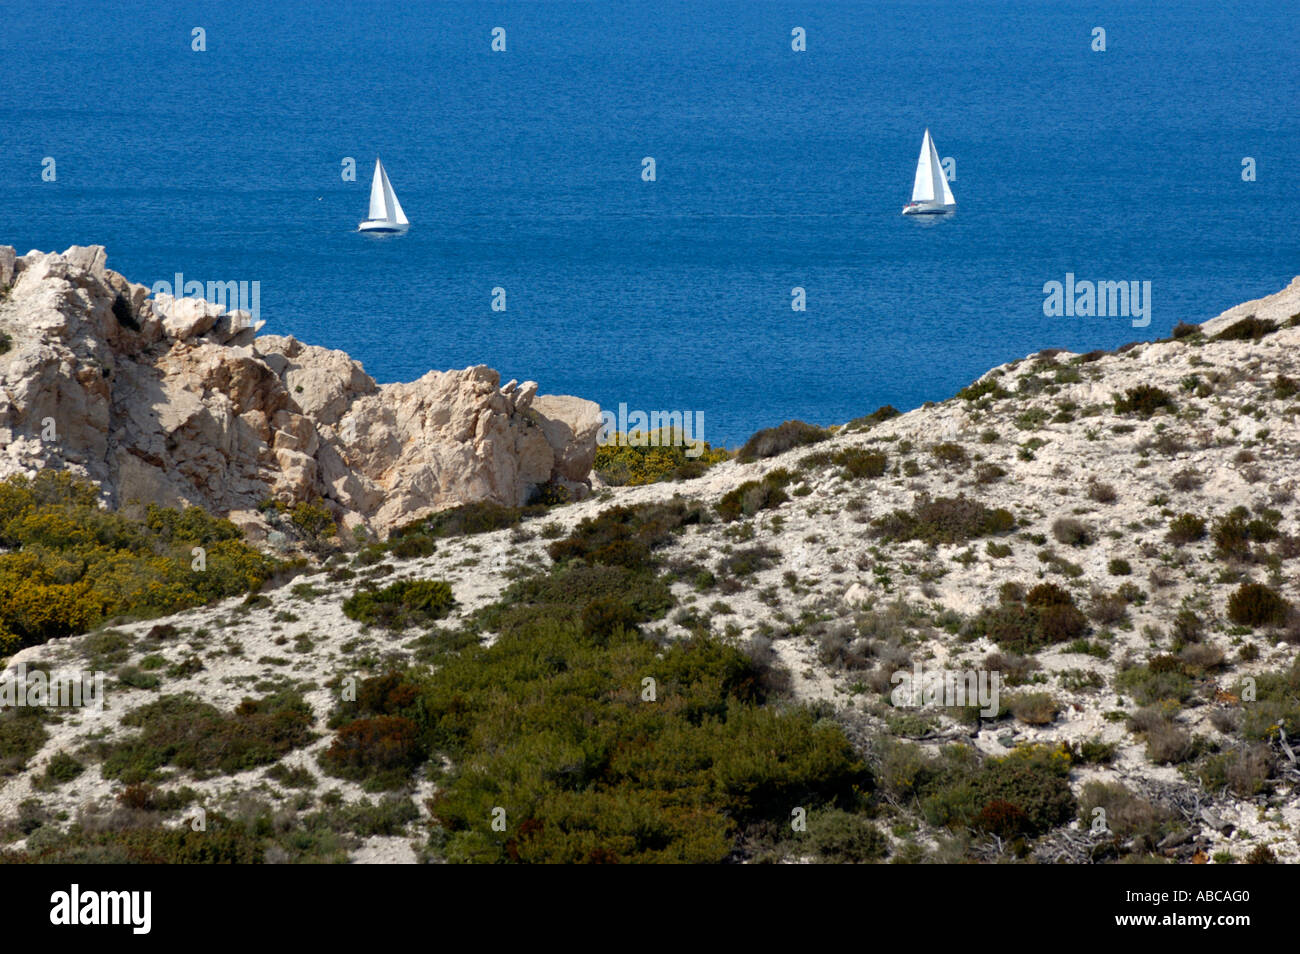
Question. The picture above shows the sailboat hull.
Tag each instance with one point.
(928, 208)
(381, 226)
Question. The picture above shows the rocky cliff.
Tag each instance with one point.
(172, 401)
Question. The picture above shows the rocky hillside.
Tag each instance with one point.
(174, 402)
(1114, 535)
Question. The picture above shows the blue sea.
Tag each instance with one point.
(775, 169)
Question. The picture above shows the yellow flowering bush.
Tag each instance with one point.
(647, 458)
(69, 564)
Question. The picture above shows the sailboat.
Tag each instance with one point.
(930, 192)
(386, 213)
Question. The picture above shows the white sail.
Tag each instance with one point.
(922, 186)
(940, 178)
(378, 209)
(930, 184)
(395, 213)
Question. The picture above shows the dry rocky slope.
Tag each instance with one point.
(841, 609)
(176, 401)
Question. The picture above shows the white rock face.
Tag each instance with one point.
(176, 402)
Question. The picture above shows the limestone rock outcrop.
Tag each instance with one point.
(176, 401)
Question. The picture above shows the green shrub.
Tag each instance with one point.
(220, 843)
(1049, 594)
(860, 463)
(137, 678)
(878, 416)
(755, 495)
(605, 616)
(1285, 388)
(481, 517)
(777, 440)
(1234, 533)
(1060, 624)
(401, 604)
(1249, 328)
(1167, 744)
(412, 546)
(840, 837)
(1244, 770)
(749, 560)
(390, 816)
(988, 387)
(62, 768)
(558, 735)
(562, 595)
(943, 520)
(856, 463)
(1186, 528)
(1162, 679)
(552, 722)
(1144, 401)
(1277, 704)
(1033, 708)
(182, 732)
(22, 734)
(1038, 788)
(1046, 615)
(1072, 532)
(624, 536)
(1188, 627)
(1253, 604)
(1025, 793)
(951, 454)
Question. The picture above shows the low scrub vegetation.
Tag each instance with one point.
(1019, 796)
(1072, 532)
(988, 388)
(69, 564)
(1144, 401)
(1249, 328)
(1186, 528)
(640, 458)
(755, 495)
(598, 744)
(1044, 616)
(1254, 604)
(1235, 534)
(401, 604)
(943, 520)
(878, 416)
(1163, 679)
(777, 440)
(481, 517)
(855, 463)
(184, 733)
(625, 536)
